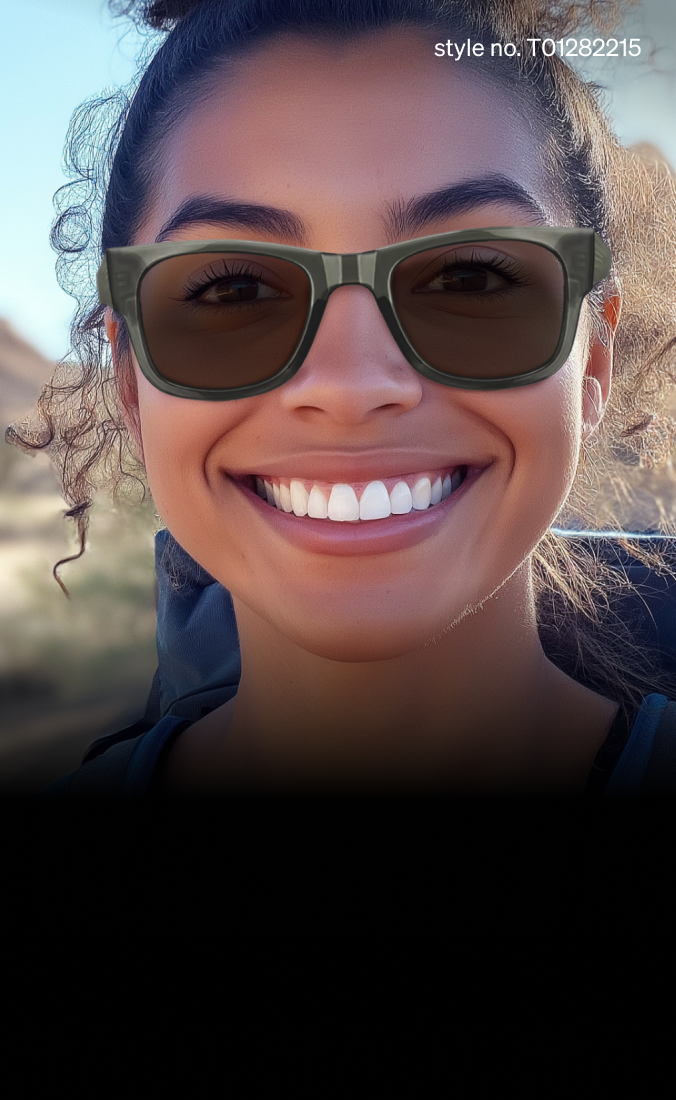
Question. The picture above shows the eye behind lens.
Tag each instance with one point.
(482, 310)
(224, 320)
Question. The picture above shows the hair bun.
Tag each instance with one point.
(558, 16)
(159, 14)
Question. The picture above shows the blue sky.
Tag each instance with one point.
(53, 55)
(56, 53)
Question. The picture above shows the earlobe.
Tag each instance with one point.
(592, 404)
(126, 383)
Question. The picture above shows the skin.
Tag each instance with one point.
(350, 673)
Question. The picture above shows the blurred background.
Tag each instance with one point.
(71, 670)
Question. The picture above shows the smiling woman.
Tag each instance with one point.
(368, 340)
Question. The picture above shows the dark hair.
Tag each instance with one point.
(602, 185)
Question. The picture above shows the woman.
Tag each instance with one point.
(376, 493)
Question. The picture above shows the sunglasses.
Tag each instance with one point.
(480, 309)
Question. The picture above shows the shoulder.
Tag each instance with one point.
(647, 765)
(121, 765)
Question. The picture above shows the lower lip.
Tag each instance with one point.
(379, 536)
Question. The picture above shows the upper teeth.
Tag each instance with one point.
(341, 503)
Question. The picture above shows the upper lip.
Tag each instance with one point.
(341, 467)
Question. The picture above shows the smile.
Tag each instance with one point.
(405, 510)
(345, 502)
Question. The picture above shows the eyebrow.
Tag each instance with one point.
(417, 213)
(209, 210)
(401, 218)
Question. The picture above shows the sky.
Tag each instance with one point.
(56, 53)
(53, 55)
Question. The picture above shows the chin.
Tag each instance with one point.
(364, 641)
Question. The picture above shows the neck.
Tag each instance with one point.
(481, 704)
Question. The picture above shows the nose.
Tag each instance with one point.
(354, 370)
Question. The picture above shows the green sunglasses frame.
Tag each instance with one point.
(584, 257)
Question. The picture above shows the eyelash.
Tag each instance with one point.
(508, 268)
(212, 276)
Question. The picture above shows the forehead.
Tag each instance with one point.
(340, 131)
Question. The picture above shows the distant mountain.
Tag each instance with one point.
(23, 373)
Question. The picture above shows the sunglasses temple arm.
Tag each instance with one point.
(103, 284)
(603, 261)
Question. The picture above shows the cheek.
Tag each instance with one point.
(540, 426)
(531, 481)
(177, 436)
(551, 439)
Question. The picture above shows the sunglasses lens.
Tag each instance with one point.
(218, 320)
(482, 309)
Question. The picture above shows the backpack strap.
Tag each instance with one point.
(660, 774)
(648, 762)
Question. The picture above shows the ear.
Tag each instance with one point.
(597, 379)
(126, 382)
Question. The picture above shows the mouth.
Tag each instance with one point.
(357, 502)
(355, 517)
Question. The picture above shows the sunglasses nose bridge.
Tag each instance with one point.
(350, 269)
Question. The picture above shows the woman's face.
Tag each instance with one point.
(343, 137)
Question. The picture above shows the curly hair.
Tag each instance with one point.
(113, 151)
